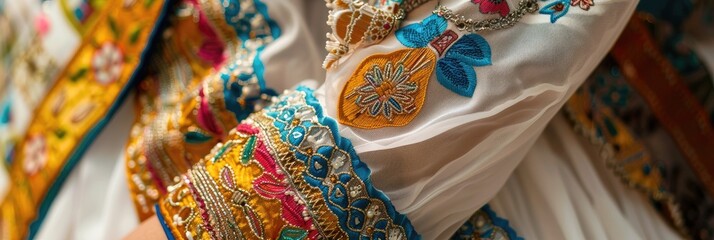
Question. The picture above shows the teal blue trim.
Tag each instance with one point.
(485, 230)
(167, 230)
(92, 134)
(284, 112)
(242, 26)
(501, 222)
(258, 66)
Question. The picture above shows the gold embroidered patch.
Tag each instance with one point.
(387, 90)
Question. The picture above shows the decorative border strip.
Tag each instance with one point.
(37, 179)
(318, 134)
(305, 168)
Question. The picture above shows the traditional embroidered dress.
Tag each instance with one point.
(419, 122)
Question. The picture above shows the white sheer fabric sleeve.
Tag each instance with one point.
(295, 55)
(458, 152)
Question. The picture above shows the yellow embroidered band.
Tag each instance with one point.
(284, 173)
(185, 106)
(86, 93)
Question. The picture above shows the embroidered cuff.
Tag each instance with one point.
(287, 157)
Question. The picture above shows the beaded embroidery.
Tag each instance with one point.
(385, 92)
(186, 109)
(594, 111)
(389, 89)
(590, 109)
(486, 225)
(157, 134)
(300, 165)
(356, 23)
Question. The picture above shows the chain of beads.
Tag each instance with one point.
(472, 26)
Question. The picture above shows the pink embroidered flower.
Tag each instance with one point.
(35, 151)
(583, 4)
(495, 6)
(107, 63)
(42, 24)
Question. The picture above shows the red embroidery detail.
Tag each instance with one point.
(493, 6)
(445, 40)
(559, 7)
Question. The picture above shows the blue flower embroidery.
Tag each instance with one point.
(455, 69)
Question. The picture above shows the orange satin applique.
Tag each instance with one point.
(387, 90)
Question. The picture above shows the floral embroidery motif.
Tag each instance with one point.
(273, 185)
(334, 167)
(583, 4)
(486, 225)
(42, 24)
(455, 69)
(301, 166)
(75, 109)
(493, 6)
(441, 43)
(206, 95)
(593, 109)
(559, 8)
(387, 90)
(107, 63)
(298, 165)
(35, 154)
(608, 112)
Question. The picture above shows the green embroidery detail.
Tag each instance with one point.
(221, 151)
(79, 74)
(113, 26)
(60, 133)
(134, 35)
(195, 137)
(248, 151)
(290, 233)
